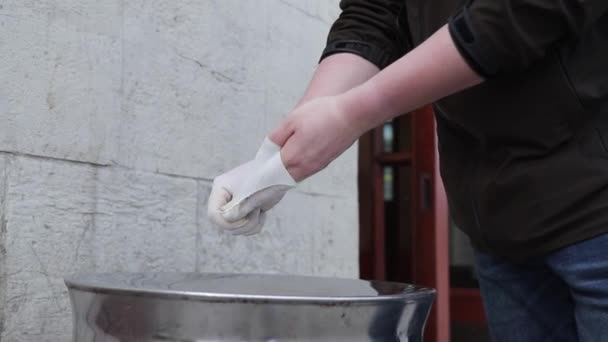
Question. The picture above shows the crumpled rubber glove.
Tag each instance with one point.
(240, 198)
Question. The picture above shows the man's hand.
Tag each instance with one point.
(239, 199)
(313, 135)
(318, 131)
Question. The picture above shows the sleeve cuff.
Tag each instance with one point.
(380, 57)
(470, 47)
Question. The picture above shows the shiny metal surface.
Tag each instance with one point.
(244, 307)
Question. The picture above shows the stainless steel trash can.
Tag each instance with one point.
(129, 307)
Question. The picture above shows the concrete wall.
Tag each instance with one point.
(115, 115)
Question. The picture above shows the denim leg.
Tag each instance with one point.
(525, 302)
(584, 267)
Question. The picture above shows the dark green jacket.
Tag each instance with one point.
(524, 156)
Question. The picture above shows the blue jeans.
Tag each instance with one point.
(562, 296)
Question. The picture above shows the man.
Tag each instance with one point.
(520, 89)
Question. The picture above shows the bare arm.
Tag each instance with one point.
(430, 72)
(337, 74)
(358, 48)
(319, 130)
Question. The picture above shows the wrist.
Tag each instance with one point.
(363, 106)
(337, 74)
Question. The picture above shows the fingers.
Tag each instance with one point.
(218, 198)
(264, 199)
(249, 224)
(296, 170)
(253, 225)
(240, 197)
(281, 134)
(252, 211)
(246, 219)
(238, 211)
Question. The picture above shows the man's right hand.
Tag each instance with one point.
(314, 134)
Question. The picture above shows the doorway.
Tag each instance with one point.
(405, 232)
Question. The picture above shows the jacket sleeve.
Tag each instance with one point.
(373, 29)
(501, 36)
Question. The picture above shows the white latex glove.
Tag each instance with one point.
(240, 198)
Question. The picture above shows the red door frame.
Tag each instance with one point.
(431, 228)
(429, 260)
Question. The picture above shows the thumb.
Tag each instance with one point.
(282, 133)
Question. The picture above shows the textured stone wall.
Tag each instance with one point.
(115, 115)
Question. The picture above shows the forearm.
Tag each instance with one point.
(428, 73)
(337, 74)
